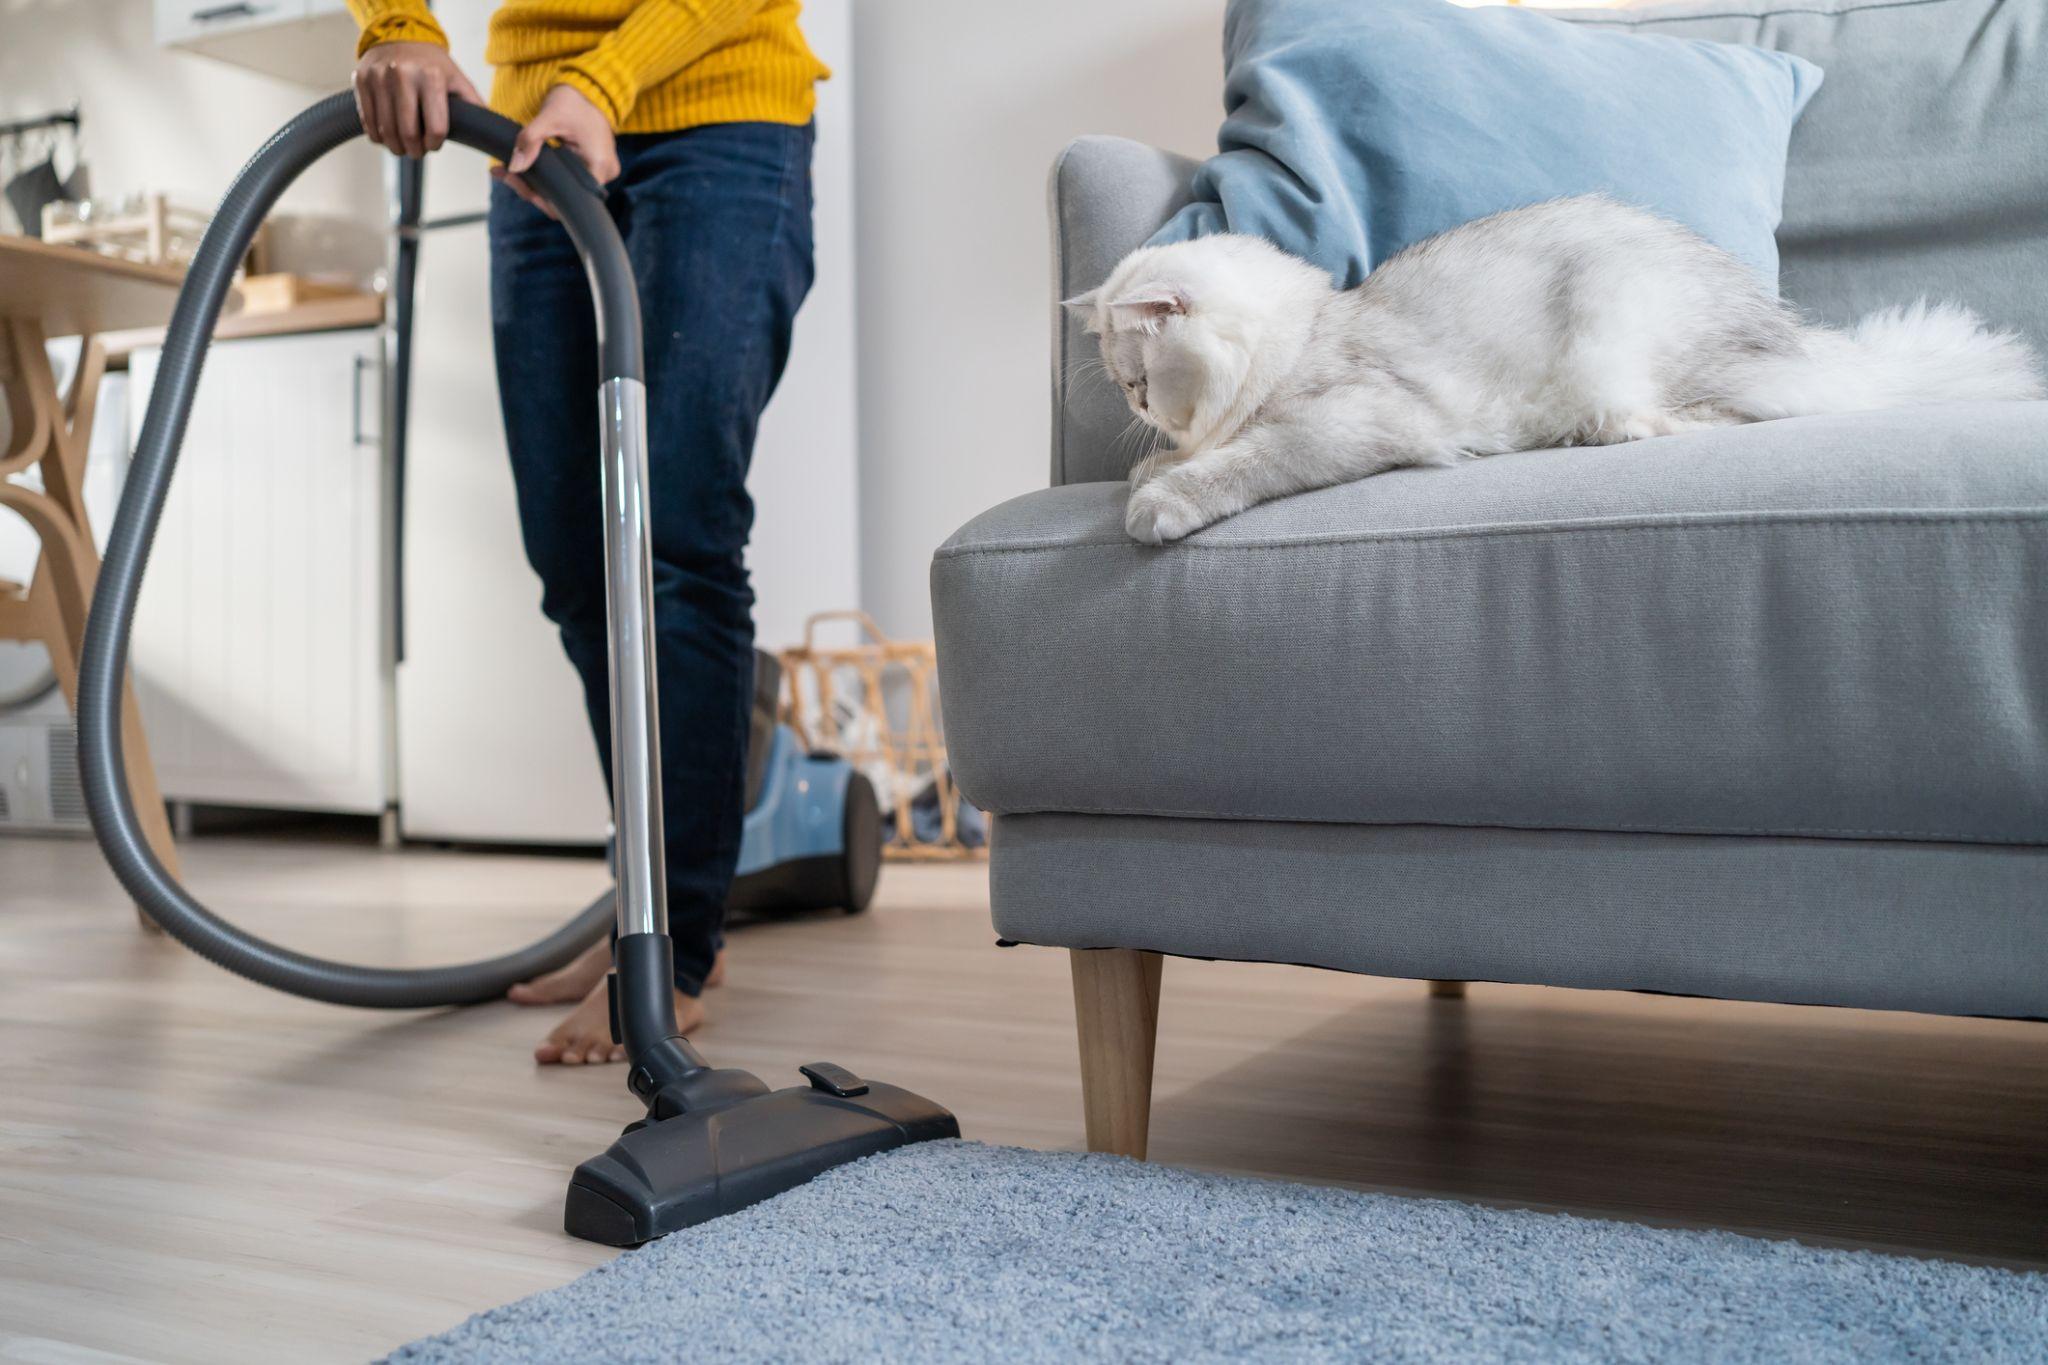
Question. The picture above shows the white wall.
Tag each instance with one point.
(158, 119)
(961, 109)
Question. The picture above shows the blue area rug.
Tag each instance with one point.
(955, 1251)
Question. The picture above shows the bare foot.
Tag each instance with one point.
(565, 985)
(585, 1037)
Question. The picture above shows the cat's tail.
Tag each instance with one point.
(1921, 353)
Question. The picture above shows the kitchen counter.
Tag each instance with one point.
(126, 304)
(313, 315)
(68, 291)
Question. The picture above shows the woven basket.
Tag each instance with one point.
(876, 704)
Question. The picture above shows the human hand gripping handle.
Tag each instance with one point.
(568, 117)
(402, 91)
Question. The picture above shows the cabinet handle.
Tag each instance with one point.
(355, 406)
(242, 9)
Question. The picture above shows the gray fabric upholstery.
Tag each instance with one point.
(1108, 195)
(1946, 928)
(1921, 168)
(1823, 627)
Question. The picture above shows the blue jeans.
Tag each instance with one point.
(717, 221)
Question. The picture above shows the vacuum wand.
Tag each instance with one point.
(629, 602)
(642, 986)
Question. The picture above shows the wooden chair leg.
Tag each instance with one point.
(1116, 1010)
(53, 431)
(56, 607)
(1447, 990)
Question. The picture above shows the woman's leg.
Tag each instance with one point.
(545, 337)
(718, 227)
(718, 224)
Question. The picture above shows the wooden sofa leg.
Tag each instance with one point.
(1116, 1010)
(1447, 990)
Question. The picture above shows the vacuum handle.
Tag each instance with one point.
(573, 192)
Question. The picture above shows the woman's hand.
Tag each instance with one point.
(402, 92)
(567, 117)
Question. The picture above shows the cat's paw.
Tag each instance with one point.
(1158, 514)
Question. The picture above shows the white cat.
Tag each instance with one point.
(1576, 322)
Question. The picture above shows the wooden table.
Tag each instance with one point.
(50, 291)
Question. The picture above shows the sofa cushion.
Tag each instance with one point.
(1343, 142)
(1826, 627)
(1921, 166)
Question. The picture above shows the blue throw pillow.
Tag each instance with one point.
(1353, 128)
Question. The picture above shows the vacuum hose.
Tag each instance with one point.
(579, 201)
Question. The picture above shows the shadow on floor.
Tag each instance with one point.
(1823, 1124)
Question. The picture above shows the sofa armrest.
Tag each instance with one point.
(1107, 195)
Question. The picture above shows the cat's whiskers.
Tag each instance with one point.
(1081, 371)
(1137, 426)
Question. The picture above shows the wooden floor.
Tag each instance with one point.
(195, 1169)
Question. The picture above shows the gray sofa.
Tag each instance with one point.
(1758, 713)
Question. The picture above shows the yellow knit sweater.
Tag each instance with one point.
(652, 66)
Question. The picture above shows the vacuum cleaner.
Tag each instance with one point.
(812, 838)
(714, 1139)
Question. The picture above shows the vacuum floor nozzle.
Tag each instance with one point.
(666, 1174)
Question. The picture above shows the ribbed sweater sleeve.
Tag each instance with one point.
(395, 21)
(658, 39)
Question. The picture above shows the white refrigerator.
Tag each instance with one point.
(492, 744)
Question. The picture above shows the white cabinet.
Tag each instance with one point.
(309, 41)
(182, 21)
(261, 647)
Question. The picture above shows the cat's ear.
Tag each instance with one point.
(1083, 306)
(1150, 304)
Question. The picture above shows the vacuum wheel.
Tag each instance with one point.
(860, 860)
(844, 880)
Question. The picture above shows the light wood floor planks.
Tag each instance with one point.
(195, 1169)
